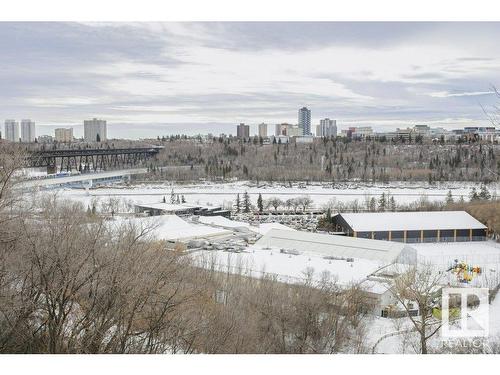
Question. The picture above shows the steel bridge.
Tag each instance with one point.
(90, 159)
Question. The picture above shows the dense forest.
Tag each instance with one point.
(332, 160)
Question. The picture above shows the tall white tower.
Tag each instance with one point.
(27, 131)
(95, 130)
(12, 130)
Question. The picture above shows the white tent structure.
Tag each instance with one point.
(384, 252)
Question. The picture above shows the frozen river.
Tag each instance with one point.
(225, 193)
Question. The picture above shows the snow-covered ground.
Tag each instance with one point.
(482, 254)
(225, 193)
(380, 329)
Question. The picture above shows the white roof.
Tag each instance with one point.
(376, 286)
(257, 262)
(222, 221)
(422, 220)
(172, 227)
(384, 252)
(266, 227)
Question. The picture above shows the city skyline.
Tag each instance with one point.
(150, 79)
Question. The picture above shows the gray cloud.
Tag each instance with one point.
(145, 75)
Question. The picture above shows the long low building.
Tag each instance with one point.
(181, 209)
(412, 227)
(326, 245)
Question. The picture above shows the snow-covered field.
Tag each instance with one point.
(481, 254)
(444, 253)
(225, 193)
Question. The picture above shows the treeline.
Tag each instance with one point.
(328, 159)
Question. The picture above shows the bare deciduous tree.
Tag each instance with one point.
(420, 285)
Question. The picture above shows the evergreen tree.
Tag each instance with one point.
(238, 203)
(473, 196)
(373, 204)
(329, 215)
(484, 193)
(382, 202)
(246, 202)
(449, 197)
(260, 203)
(392, 204)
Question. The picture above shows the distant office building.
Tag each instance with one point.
(95, 130)
(243, 131)
(27, 131)
(326, 128)
(305, 120)
(12, 130)
(45, 139)
(485, 133)
(64, 135)
(295, 131)
(263, 130)
(362, 132)
(423, 130)
(288, 130)
(282, 129)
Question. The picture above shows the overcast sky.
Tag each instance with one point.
(147, 79)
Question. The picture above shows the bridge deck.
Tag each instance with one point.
(81, 177)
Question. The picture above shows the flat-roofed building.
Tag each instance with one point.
(95, 130)
(263, 130)
(423, 130)
(412, 227)
(362, 132)
(45, 139)
(181, 209)
(304, 121)
(326, 128)
(283, 129)
(12, 130)
(28, 131)
(339, 247)
(64, 135)
(243, 131)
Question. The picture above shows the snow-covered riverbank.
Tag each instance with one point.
(209, 193)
